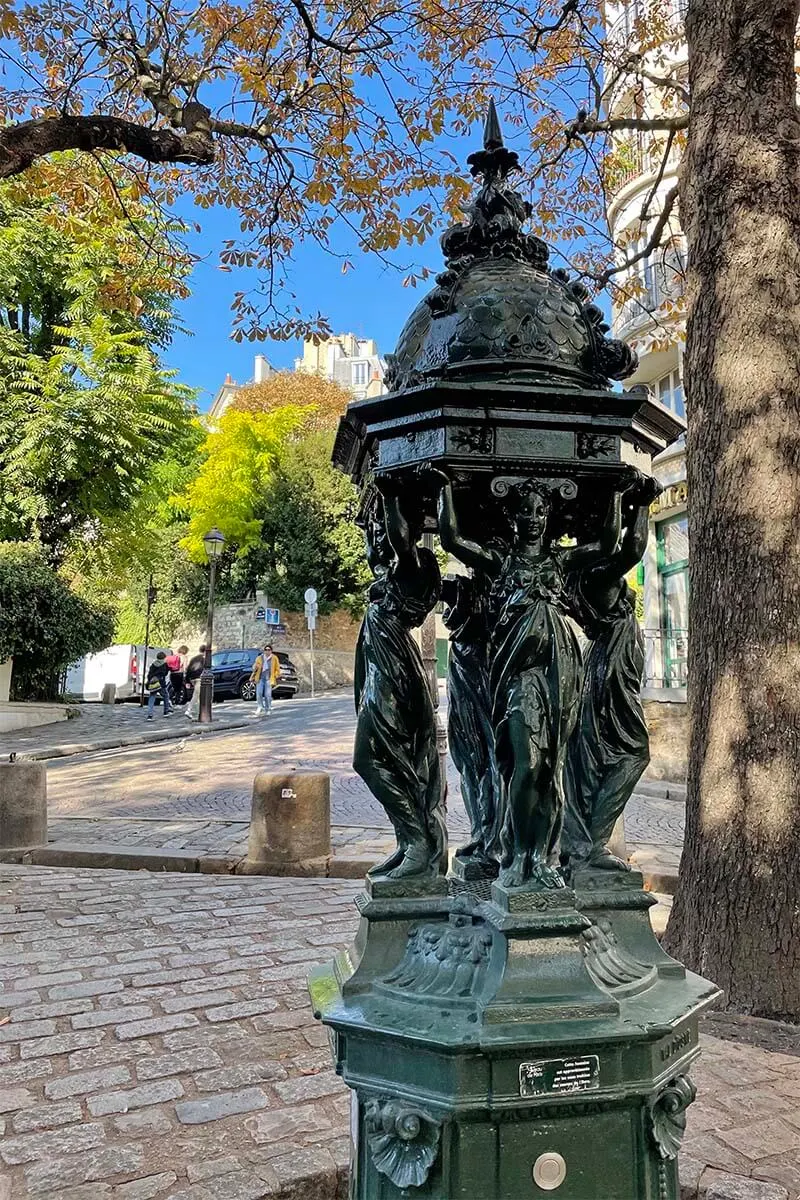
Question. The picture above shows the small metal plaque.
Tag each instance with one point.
(559, 1075)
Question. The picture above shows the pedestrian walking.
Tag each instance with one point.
(192, 673)
(265, 674)
(157, 685)
(177, 678)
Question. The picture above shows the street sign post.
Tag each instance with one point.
(272, 616)
(311, 620)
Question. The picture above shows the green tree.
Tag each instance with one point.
(85, 407)
(308, 535)
(44, 625)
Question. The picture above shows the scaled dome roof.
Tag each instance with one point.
(498, 311)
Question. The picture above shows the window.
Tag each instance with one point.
(669, 390)
(360, 374)
(673, 570)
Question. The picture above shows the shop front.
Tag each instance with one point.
(666, 582)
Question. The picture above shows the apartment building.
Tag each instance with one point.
(646, 318)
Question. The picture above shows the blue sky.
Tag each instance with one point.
(369, 301)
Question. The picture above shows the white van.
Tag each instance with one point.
(122, 665)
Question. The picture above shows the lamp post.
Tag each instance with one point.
(213, 542)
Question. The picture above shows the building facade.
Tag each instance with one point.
(345, 359)
(651, 319)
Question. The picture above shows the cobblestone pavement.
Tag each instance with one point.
(156, 1043)
(213, 779)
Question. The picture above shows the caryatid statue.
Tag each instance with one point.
(609, 748)
(395, 744)
(535, 668)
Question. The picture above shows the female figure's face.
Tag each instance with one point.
(531, 519)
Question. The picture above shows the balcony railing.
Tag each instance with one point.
(623, 31)
(661, 282)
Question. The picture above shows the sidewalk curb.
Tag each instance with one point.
(173, 733)
(107, 856)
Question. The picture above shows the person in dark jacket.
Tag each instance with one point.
(194, 669)
(157, 685)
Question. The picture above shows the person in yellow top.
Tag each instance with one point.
(265, 674)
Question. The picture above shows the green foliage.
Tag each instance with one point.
(240, 457)
(44, 625)
(308, 535)
(85, 407)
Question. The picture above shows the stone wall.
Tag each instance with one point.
(669, 739)
(235, 626)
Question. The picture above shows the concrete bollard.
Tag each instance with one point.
(23, 804)
(290, 824)
(109, 695)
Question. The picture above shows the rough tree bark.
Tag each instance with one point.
(737, 913)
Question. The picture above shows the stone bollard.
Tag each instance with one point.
(290, 824)
(23, 804)
(109, 695)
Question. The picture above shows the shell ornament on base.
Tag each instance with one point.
(668, 1116)
(403, 1141)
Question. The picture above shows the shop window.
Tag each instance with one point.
(672, 538)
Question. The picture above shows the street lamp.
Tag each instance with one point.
(213, 542)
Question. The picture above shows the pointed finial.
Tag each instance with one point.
(492, 133)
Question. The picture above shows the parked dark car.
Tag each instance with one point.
(232, 670)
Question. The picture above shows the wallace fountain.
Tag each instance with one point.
(506, 1019)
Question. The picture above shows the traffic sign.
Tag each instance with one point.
(311, 596)
(272, 616)
(311, 619)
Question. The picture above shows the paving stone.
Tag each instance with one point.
(197, 1112)
(14, 1030)
(244, 1008)
(211, 1167)
(286, 1123)
(87, 987)
(30, 1146)
(21, 1072)
(242, 1185)
(111, 1016)
(135, 1029)
(238, 1076)
(760, 1139)
(146, 1120)
(54, 1008)
(80, 1083)
(46, 1116)
(716, 1185)
(176, 1064)
(293, 1091)
(146, 1188)
(139, 1097)
(85, 1168)
(101, 1056)
(14, 1098)
(201, 1000)
(60, 1043)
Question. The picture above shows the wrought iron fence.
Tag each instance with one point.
(665, 658)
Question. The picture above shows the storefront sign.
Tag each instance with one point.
(675, 495)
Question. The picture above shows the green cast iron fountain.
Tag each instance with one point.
(510, 1028)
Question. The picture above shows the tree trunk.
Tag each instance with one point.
(737, 913)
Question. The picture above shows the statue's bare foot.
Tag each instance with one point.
(602, 858)
(517, 872)
(416, 862)
(394, 860)
(547, 876)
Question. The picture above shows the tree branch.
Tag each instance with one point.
(585, 123)
(22, 144)
(653, 242)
